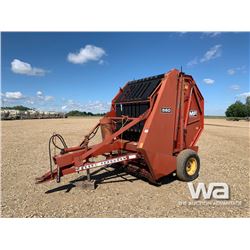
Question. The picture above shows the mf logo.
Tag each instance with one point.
(193, 113)
(219, 191)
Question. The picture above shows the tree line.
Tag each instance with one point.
(20, 108)
(83, 113)
(239, 109)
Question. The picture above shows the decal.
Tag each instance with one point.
(106, 162)
(166, 110)
(193, 113)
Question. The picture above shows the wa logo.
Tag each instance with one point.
(219, 191)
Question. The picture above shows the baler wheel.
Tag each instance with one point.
(188, 165)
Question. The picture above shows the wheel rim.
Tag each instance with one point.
(191, 166)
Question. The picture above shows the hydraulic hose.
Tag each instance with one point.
(52, 140)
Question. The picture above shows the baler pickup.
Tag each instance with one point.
(151, 130)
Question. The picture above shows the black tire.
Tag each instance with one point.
(188, 165)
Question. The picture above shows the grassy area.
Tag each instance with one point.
(214, 117)
(227, 118)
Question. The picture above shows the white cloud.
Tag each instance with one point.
(30, 102)
(71, 105)
(48, 98)
(92, 106)
(192, 62)
(182, 33)
(208, 81)
(88, 53)
(14, 95)
(38, 100)
(20, 67)
(244, 95)
(212, 53)
(43, 102)
(41, 97)
(233, 71)
(210, 34)
(214, 34)
(235, 87)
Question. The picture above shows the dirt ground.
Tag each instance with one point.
(224, 153)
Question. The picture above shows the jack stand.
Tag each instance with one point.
(88, 175)
(87, 184)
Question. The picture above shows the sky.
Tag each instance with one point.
(56, 71)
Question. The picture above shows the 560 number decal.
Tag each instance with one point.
(166, 110)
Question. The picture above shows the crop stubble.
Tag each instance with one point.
(224, 153)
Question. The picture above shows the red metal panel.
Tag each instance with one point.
(156, 141)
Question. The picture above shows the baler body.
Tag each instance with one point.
(150, 122)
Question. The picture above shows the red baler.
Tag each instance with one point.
(151, 130)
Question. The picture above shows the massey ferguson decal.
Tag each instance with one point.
(106, 162)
